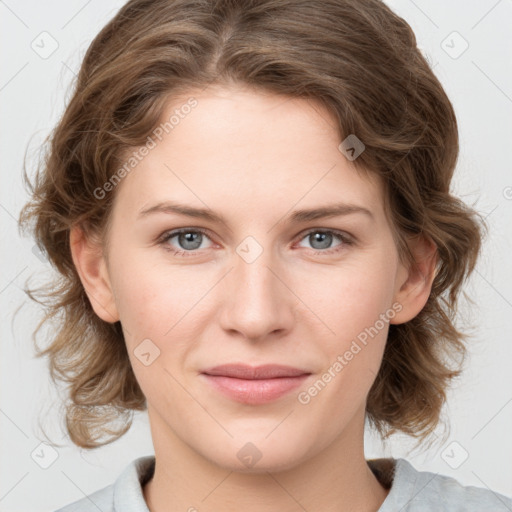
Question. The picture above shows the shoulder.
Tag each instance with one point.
(124, 495)
(99, 500)
(425, 491)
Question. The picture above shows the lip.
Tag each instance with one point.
(254, 384)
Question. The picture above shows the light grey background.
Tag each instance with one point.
(33, 91)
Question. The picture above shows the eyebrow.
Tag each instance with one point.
(298, 216)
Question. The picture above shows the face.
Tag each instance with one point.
(221, 253)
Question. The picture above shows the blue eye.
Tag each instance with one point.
(324, 239)
(191, 240)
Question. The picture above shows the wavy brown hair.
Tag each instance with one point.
(357, 58)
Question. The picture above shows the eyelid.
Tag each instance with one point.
(171, 233)
(346, 239)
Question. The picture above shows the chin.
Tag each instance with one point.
(259, 456)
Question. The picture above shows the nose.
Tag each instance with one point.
(257, 303)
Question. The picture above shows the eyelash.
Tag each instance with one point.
(168, 235)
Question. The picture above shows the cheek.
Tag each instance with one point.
(152, 297)
(156, 300)
(355, 303)
(351, 297)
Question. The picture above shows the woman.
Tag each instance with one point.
(249, 205)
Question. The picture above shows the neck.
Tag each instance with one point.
(336, 479)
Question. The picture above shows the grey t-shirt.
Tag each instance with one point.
(411, 491)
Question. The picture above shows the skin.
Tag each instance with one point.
(253, 158)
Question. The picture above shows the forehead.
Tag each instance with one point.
(236, 146)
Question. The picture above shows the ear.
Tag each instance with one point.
(414, 282)
(92, 269)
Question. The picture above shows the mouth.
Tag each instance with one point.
(254, 384)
